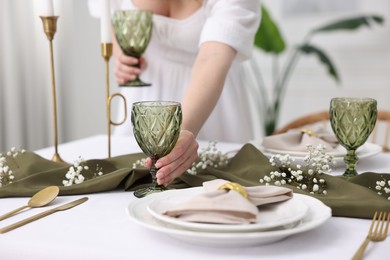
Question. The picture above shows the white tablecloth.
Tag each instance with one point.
(101, 229)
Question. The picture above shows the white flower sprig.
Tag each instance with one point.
(14, 152)
(381, 187)
(140, 162)
(307, 178)
(6, 173)
(209, 156)
(74, 174)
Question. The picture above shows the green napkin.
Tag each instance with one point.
(353, 197)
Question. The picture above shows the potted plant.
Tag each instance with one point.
(269, 39)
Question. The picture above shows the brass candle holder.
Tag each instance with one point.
(50, 28)
(107, 53)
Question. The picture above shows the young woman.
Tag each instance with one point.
(195, 57)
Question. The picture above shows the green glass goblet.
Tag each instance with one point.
(133, 30)
(156, 127)
(352, 121)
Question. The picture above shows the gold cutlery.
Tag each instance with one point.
(40, 199)
(43, 214)
(375, 235)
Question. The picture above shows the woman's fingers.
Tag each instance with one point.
(126, 68)
(143, 63)
(178, 160)
(167, 179)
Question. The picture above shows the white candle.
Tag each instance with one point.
(105, 22)
(47, 8)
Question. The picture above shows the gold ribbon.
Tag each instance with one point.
(309, 132)
(234, 186)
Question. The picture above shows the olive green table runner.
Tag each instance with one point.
(354, 197)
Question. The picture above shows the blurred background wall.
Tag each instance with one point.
(26, 119)
(362, 57)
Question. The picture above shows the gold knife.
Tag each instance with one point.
(43, 214)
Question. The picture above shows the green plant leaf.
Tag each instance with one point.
(350, 23)
(323, 57)
(268, 37)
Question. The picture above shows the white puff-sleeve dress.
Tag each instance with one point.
(172, 51)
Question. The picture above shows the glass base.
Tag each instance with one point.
(135, 83)
(149, 190)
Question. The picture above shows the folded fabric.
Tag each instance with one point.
(348, 197)
(218, 207)
(227, 206)
(298, 139)
(257, 195)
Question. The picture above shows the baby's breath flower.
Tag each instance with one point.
(209, 157)
(6, 174)
(304, 177)
(140, 162)
(382, 188)
(74, 174)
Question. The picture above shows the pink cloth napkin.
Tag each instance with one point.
(296, 140)
(228, 207)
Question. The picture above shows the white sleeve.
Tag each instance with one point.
(95, 6)
(233, 22)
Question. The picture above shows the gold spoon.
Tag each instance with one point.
(40, 199)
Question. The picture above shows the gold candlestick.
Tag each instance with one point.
(50, 28)
(107, 53)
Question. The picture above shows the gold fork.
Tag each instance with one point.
(374, 235)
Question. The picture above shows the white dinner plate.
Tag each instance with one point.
(339, 151)
(270, 216)
(317, 214)
(366, 150)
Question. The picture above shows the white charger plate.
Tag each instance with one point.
(318, 213)
(339, 151)
(270, 216)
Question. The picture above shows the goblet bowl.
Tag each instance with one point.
(133, 30)
(352, 121)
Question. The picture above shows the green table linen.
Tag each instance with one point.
(353, 197)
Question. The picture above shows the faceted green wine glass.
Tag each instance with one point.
(133, 30)
(156, 127)
(352, 121)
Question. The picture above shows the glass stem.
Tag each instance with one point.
(153, 171)
(138, 66)
(350, 160)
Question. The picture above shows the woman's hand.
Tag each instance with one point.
(126, 67)
(178, 160)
